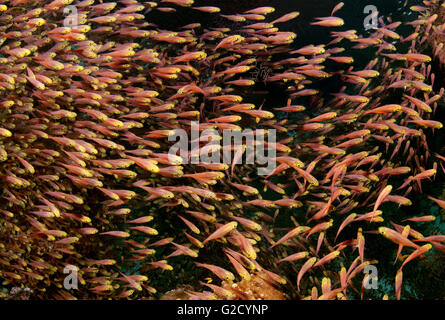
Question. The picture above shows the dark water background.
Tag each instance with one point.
(352, 13)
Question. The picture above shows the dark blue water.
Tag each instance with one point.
(352, 13)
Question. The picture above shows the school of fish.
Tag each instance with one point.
(91, 91)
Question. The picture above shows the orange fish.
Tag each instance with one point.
(221, 231)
